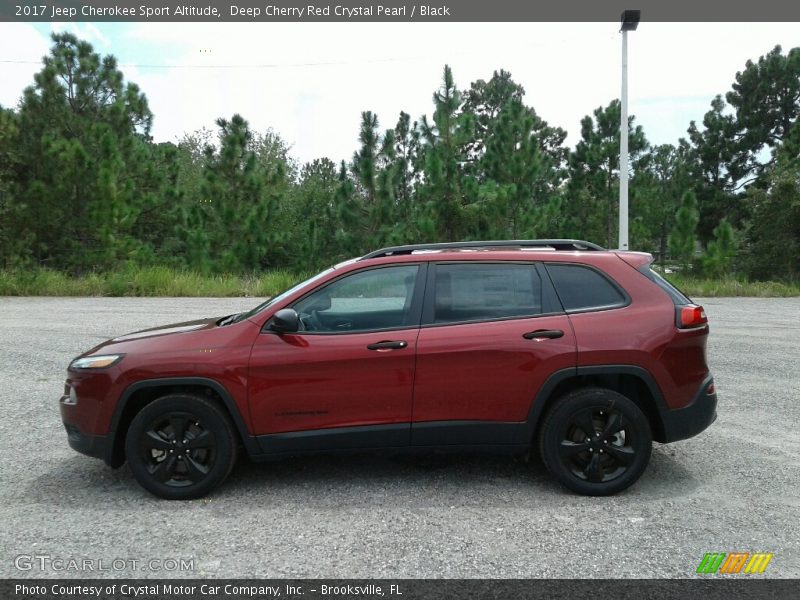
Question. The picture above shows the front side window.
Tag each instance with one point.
(364, 301)
(480, 292)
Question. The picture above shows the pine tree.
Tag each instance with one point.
(365, 160)
(14, 244)
(594, 171)
(239, 205)
(447, 189)
(314, 215)
(83, 133)
(372, 168)
(714, 150)
(766, 98)
(716, 261)
(521, 176)
(484, 101)
(404, 161)
(657, 189)
(683, 239)
(487, 100)
(773, 236)
(349, 214)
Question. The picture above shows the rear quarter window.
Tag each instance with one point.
(678, 297)
(584, 288)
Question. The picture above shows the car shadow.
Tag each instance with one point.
(328, 481)
(364, 480)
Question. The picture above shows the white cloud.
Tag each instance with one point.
(84, 31)
(566, 69)
(23, 44)
(19, 42)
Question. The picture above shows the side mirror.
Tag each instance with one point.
(285, 321)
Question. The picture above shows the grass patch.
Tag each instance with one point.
(145, 281)
(733, 286)
(164, 281)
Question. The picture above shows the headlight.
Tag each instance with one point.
(96, 362)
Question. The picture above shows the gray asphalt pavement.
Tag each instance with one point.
(736, 487)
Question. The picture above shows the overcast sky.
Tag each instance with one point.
(310, 81)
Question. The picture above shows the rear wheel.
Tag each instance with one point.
(595, 441)
(180, 447)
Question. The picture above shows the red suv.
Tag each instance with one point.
(584, 353)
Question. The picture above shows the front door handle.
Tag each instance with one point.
(388, 345)
(540, 334)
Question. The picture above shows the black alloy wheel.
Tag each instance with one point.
(181, 446)
(178, 450)
(596, 441)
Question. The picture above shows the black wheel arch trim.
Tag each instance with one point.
(249, 442)
(676, 424)
(671, 421)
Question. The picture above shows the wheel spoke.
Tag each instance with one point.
(624, 455)
(202, 440)
(165, 469)
(194, 470)
(154, 441)
(593, 470)
(179, 424)
(568, 449)
(614, 424)
(585, 422)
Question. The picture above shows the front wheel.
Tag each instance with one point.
(180, 447)
(596, 441)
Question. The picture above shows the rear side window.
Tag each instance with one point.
(480, 292)
(678, 297)
(584, 288)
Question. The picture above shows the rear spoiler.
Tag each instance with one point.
(636, 259)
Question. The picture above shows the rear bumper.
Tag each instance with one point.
(686, 422)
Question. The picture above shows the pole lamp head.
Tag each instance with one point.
(630, 20)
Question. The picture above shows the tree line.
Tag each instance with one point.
(83, 187)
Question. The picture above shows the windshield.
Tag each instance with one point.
(279, 297)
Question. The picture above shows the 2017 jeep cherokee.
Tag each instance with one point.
(585, 354)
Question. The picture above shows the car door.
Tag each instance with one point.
(346, 379)
(491, 335)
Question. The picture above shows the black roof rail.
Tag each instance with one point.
(569, 245)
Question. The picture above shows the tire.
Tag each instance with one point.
(181, 469)
(609, 457)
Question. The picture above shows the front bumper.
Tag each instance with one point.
(686, 422)
(91, 445)
(97, 446)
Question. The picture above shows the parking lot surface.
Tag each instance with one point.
(735, 487)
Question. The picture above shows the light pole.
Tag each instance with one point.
(630, 21)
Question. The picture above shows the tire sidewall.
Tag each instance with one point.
(211, 418)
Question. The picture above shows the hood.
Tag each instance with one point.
(173, 329)
(177, 343)
(163, 338)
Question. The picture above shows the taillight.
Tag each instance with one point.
(691, 316)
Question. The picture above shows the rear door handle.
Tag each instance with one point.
(550, 334)
(388, 345)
